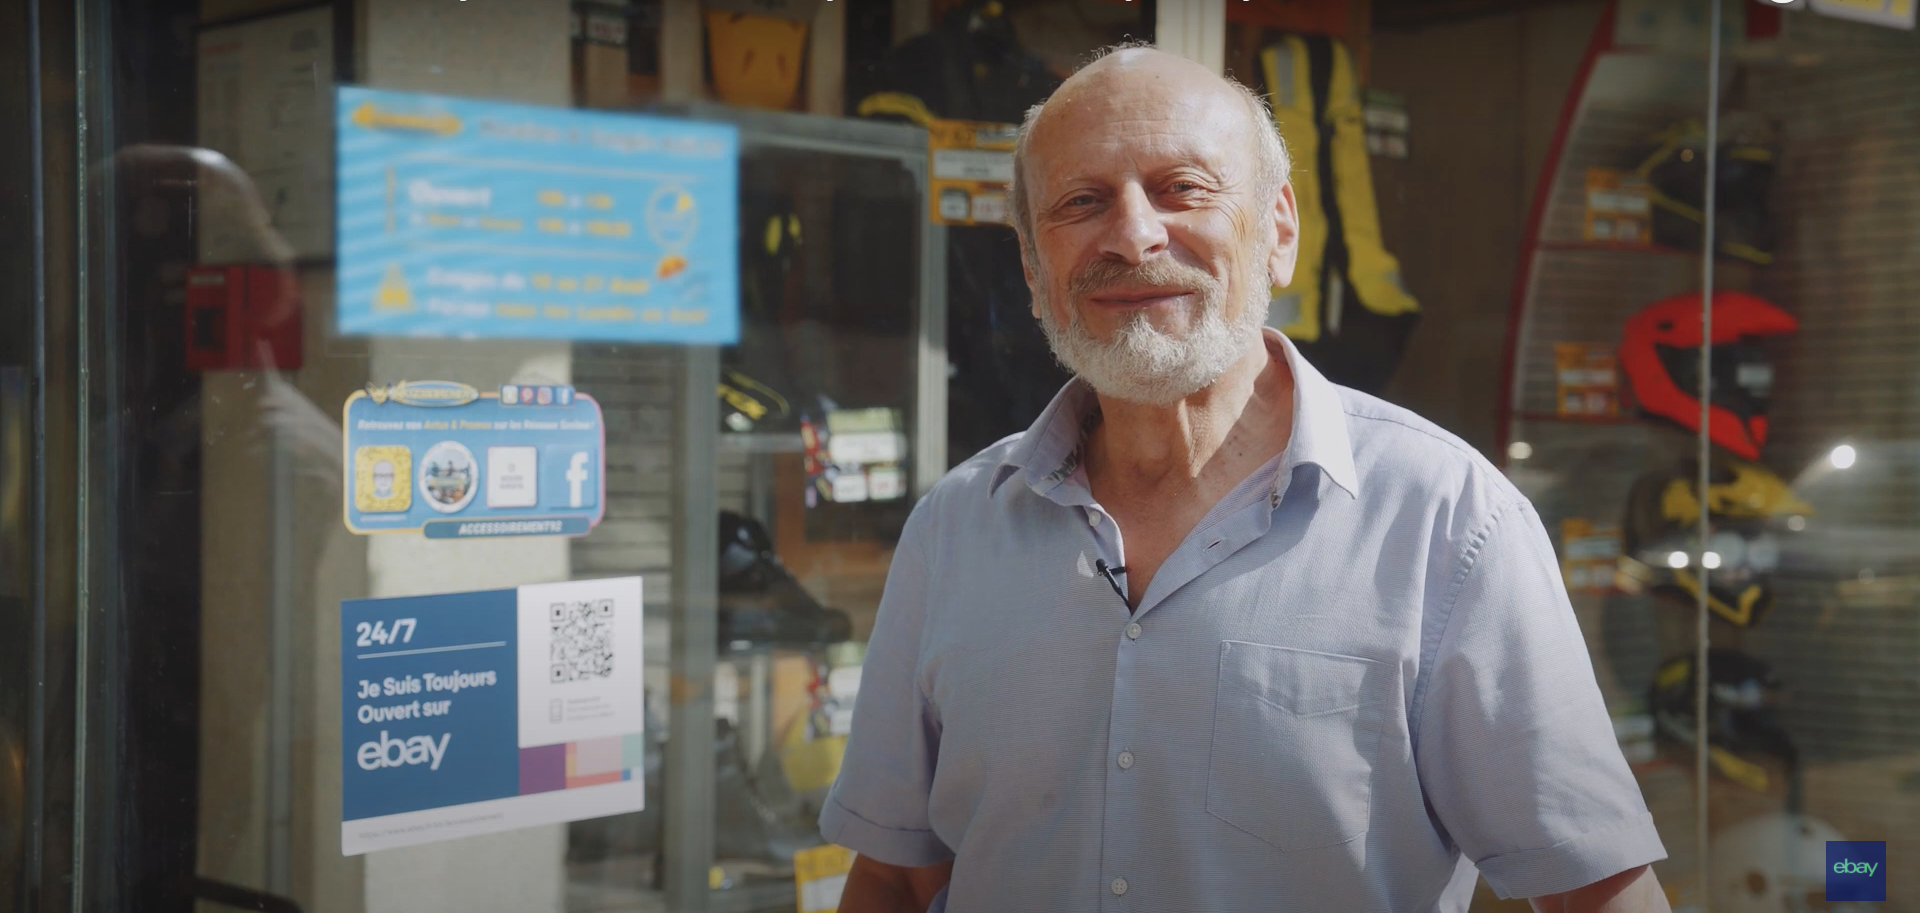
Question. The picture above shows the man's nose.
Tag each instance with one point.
(1134, 231)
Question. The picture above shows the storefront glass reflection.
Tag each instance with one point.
(730, 378)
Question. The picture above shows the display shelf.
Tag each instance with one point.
(1573, 289)
(1620, 247)
(1578, 419)
(762, 443)
(754, 898)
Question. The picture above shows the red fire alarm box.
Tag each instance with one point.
(241, 317)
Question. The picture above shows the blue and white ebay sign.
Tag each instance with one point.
(470, 713)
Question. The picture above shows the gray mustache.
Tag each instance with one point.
(1104, 274)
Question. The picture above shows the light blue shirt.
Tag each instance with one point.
(1358, 678)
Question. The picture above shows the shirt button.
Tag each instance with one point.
(1119, 886)
(1126, 760)
(1133, 631)
(1093, 518)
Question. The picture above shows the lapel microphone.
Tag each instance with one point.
(1108, 570)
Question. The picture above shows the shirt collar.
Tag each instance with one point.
(1049, 452)
(1319, 421)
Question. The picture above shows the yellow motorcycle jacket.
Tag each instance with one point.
(1346, 308)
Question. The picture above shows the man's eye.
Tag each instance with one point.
(1185, 187)
(1085, 199)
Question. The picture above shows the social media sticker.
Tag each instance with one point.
(511, 479)
(382, 479)
(454, 463)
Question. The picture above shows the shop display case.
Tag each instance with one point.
(843, 297)
(1800, 534)
(753, 489)
(1719, 427)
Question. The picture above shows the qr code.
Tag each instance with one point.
(582, 640)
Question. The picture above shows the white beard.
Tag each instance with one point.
(1144, 365)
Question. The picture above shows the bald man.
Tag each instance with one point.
(1215, 633)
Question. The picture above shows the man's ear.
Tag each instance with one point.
(1286, 243)
(1026, 271)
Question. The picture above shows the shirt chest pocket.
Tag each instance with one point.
(1295, 733)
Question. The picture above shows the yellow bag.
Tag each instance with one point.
(756, 60)
(811, 764)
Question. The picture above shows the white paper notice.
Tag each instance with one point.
(266, 103)
(823, 894)
(973, 165)
(580, 654)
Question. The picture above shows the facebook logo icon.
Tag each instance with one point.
(570, 478)
(577, 479)
(1856, 870)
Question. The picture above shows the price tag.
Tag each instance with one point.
(1618, 207)
(820, 875)
(1589, 553)
(970, 164)
(1895, 13)
(1585, 380)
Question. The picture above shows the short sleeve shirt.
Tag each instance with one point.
(1355, 682)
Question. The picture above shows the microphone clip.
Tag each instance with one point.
(1108, 571)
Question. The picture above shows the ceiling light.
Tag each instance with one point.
(1677, 560)
(1710, 560)
(1843, 456)
(1519, 450)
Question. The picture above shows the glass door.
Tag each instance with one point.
(485, 494)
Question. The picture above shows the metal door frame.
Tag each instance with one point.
(42, 323)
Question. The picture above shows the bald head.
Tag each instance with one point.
(1128, 81)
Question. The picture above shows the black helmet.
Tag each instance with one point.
(1676, 170)
(761, 604)
(1746, 504)
(1742, 699)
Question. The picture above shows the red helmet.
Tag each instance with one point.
(1659, 353)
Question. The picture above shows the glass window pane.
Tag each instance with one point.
(346, 349)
